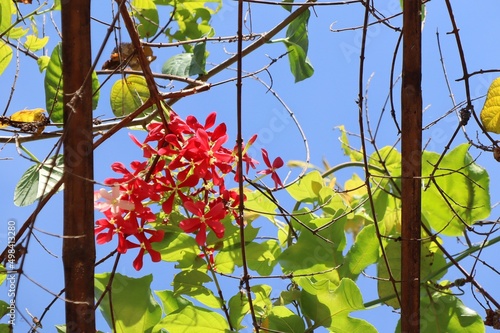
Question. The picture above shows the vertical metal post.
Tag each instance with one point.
(78, 244)
(411, 118)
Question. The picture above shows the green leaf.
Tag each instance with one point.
(189, 317)
(297, 31)
(193, 19)
(432, 264)
(364, 252)
(230, 254)
(259, 205)
(353, 154)
(95, 90)
(43, 62)
(288, 296)
(191, 282)
(4, 307)
(282, 319)
(50, 173)
(467, 191)
(332, 202)
(355, 189)
(4, 328)
(17, 32)
(307, 188)
(38, 181)
(316, 255)
(146, 13)
(239, 308)
(199, 59)
(300, 66)
(262, 299)
(386, 288)
(262, 257)
(179, 64)
(297, 44)
(177, 246)
(171, 302)
(54, 87)
(5, 56)
(5, 15)
(33, 43)
(388, 210)
(447, 313)
(186, 64)
(134, 308)
(128, 94)
(386, 191)
(329, 305)
(388, 160)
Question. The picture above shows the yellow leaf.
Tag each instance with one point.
(22, 119)
(490, 115)
(28, 116)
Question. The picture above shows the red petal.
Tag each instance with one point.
(190, 225)
(201, 236)
(277, 180)
(210, 121)
(220, 132)
(155, 255)
(104, 237)
(265, 156)
(138, 260)
(196, 208)
(277, 163)
(119, 167)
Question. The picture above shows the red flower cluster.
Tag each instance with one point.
(185, 167)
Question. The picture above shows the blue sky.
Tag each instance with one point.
(320, 104)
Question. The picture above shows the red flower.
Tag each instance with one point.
(144, 242)
(145, 245)
(148, 151)
(176, 126)
(185, 164)
(115, 224)
(230, 199)
(277, 163)
(202, 219)
(172, 188)
(133, 183)
(247, 160)
(192, 122)
(205, 154)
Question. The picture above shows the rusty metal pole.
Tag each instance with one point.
(411, 127)
(78, 244)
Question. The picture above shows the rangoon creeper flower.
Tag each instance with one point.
(144, 244)
(112, 201)
(184, 164)
(271, 168)
(202, 218)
